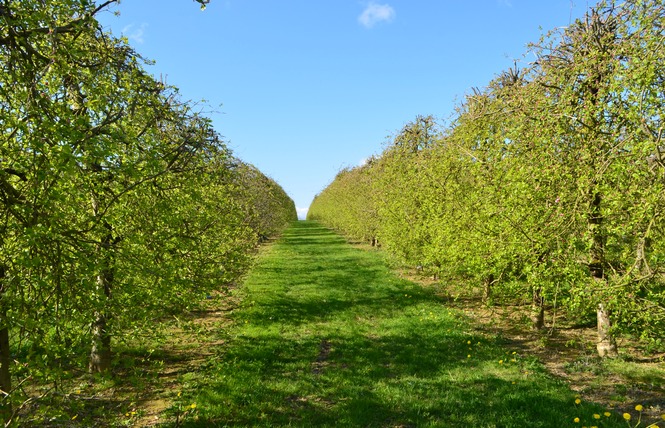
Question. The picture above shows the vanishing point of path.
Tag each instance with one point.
(326, 335)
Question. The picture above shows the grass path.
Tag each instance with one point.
(326, 335)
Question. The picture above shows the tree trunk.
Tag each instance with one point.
(606, 344)
(597, 250)
(537, 309)
(487, 288)
(100, 354)
(641, 265)
(5, 357)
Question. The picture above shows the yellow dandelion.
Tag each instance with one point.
(578, 401)
(75, 416)
(607, 414)
(468, 356)
(179, 394)
(596, 416)
(576, 420)
(193, 406)
(626, 416)
(132, 413)
(639, 408)
(468, 342)
(500, 361)
(514, 352)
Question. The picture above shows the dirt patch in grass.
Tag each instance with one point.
(567, 351)
(321, 359)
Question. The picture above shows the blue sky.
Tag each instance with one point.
(303, 88)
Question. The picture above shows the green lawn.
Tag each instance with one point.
(326, 335)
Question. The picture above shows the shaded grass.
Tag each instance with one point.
(146, 373)
(566, 347)
(326, 335)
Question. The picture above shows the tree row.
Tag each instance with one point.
(548, 185)
(119, 203)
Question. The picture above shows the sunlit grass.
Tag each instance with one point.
(326, 335)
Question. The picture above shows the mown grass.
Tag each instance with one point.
(326, 335)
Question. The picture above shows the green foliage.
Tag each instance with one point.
(269, 208)
(352, 198)
(118, 203)
(548, 183)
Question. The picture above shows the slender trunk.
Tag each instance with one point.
(594, 108)
(641, 265)
(100, 355)
(537, 309)
(597, 250)
(5, 356)
(487, 287)
(606, 345)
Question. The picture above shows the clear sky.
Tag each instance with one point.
(303, 88)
